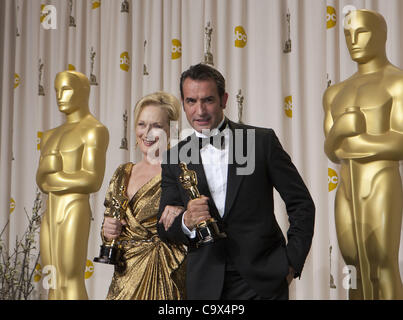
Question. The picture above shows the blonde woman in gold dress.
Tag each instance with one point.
(152, 269)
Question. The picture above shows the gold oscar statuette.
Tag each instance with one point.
(287, 44)
(239, 99)
(71, 167)
(364, 134)
(208, 56)
(110, 252)
(206, 231)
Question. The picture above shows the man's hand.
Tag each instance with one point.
(197, 211)
(290, 276)
(113, 228)
(169, 214)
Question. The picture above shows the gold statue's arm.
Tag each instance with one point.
(330, 142)
(89, 178)
(49, 163)
(385, 146)
(349, 124)
(388, 146)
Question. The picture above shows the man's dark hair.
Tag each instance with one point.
(204, 72)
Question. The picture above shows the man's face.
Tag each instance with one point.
(202, 105)
(363, 41)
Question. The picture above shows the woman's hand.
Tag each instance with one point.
(113, 228)
(169, 214)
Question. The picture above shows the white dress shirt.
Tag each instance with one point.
(215, 165)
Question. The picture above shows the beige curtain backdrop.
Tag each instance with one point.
(281, 54)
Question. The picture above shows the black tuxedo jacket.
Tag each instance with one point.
(255, 244)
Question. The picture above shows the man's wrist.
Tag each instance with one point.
(190, 233)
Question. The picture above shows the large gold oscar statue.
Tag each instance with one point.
(71, 166)
(364, 133)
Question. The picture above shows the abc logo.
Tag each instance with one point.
(96, 4)
(12, 205)
(89, 269)
(124, 61)
(288, 106)
(16, 80)
(332, 179)
(176, 49)
(331, 17)
(38, 140)
(240, 37)
(43, 13)
(37, 273)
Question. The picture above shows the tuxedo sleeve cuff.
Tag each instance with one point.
(186, 231)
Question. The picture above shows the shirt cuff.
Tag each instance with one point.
(186, 231)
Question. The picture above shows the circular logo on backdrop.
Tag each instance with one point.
(331, 17)
(12, 205)
(96, 4)
(176, 49)
(240, 37)
(124, 61)
(43, 14)
(17, 80)
(37, 273)
(332, 179)
(38, 140)
(89, 269)
(288, 106)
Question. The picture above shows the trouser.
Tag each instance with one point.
(236, 288)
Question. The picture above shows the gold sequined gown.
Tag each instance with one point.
(153, 270)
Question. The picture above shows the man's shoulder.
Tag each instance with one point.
(261, 131)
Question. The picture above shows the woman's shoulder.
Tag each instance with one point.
(123, 169)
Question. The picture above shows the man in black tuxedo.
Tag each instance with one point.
(253, 261)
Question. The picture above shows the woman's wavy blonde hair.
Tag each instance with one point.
(165, 100)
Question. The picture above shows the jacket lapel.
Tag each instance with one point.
(234, 180)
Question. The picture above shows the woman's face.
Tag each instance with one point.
(152, 131)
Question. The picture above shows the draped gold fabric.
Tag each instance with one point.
(153, 270)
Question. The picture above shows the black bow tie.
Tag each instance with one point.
(217, 141)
